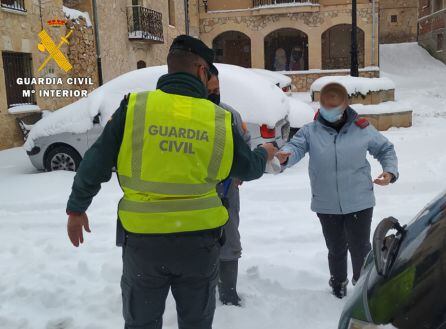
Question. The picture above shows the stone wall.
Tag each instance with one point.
(19, 33)
(194, 18)
(405, 27)
(431, 26)
(119, 54)
(302, 81)
(386, 121)
(82, 53)
(311, 20)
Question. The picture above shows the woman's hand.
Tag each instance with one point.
(283, 156)
(384, 179)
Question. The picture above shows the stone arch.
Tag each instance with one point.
(141, 64)
(232, 47)
(286, 49)
(336, 47)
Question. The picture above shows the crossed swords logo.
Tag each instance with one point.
(47, 44)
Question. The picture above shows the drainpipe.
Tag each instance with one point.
(98, 47)
(186, 16)
(40, 14)
(372, 57)
(354, 71)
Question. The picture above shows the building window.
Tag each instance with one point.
(17, 65)
(141, 65)
(394, 18)
(14, 4)
(440, 42)
(232, 47)
(171, 4)
(336, 47)
(286, 50)
(438, 5)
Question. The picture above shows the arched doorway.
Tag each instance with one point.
(336, 47)
(232, 47)
(286, 50)
(141, 64)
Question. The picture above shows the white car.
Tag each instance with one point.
(280, 80)
(60, 140)
(300, 114)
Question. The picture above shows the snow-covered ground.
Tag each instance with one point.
(46, 283)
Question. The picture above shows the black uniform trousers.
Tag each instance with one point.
(153, 264)
(347, 232)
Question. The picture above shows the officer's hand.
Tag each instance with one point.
(74, 227)
(384, 179)
(283, 156)
(271, 149)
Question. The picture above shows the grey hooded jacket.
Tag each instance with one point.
(232, 249)
(340, 174)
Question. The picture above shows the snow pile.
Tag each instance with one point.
(24, 108)
(300, 113)
(75, 14)
(320, 71)
(420, 78)
(385, 107)
(258, 100)
(144, 35)
(398, 60)
(354, 85)
(274, 77)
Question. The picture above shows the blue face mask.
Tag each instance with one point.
(332, 115)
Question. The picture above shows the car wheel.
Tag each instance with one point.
(62, 158)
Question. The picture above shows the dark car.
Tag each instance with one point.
(403, 282)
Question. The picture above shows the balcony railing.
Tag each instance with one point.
(278, 3)
(18, 5)
(145, 24)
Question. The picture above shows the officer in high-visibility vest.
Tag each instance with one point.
(170, 147)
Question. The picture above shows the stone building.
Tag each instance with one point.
(432, 27)
(115, 37)
(304, 39)
(133, 33)
(398, 21)
(20, 23)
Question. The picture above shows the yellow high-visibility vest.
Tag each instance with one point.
(174, 151)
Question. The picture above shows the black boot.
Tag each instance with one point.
(339, 289)
(227, 283)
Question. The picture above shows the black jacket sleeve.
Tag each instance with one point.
(247, 165)
(98, 162)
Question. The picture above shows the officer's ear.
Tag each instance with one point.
(202, 74)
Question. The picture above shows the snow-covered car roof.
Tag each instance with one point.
(275, 77)
(258, 100)
(300, 114)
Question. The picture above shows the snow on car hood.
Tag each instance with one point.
(300, 114)
(258, 100)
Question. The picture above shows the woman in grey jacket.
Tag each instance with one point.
(341, 183)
